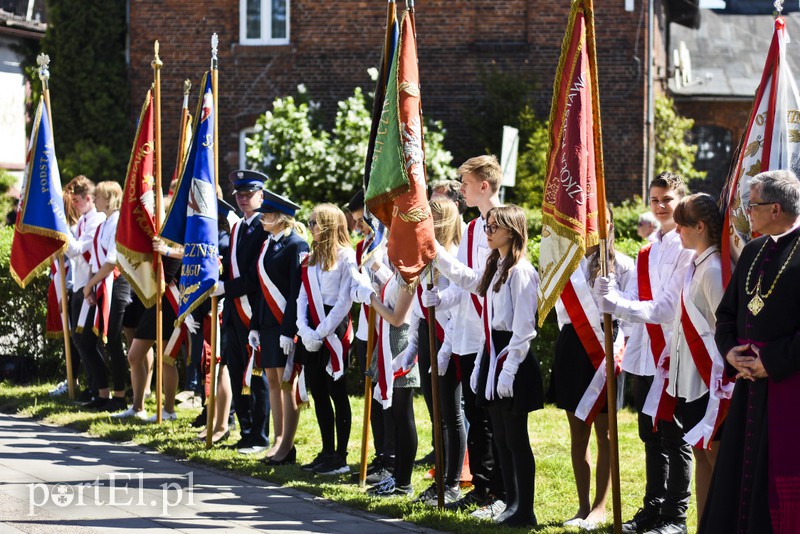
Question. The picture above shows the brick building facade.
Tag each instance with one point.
(332, 44)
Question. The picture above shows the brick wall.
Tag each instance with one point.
(333, 44)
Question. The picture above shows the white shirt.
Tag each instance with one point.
(467, 332)
(668, 263)
(107, 241)
(705, 292)
(624, 273)
(381, 275)
(442, 317)
(335, 288)
(82, 245)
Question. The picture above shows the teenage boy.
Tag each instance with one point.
(480, 183)
(79, 250)
(650, 308)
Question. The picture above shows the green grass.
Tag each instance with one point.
(555, 486)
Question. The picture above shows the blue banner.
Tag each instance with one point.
(192, 218)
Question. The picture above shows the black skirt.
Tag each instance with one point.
(271, 354)
(146, 328)
(691, 413)
(528, 385)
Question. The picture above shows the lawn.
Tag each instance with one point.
(555, 486)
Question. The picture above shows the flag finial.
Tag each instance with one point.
(43, 60)
(157, 63)
(214, 49)
(778, 6)
(187, 86)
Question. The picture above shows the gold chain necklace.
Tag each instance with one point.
(756, 304)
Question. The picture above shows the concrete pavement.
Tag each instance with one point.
(56, 481)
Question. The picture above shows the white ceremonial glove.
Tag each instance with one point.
(430, 297)
(191, 324)
(254, 339)
(443, 360)
(312, 341)
(604, 284)
(361, 290)
(287, 345)
(505, 384)
(220, 290)
(608, 304)
(376, 256)
(473, 378)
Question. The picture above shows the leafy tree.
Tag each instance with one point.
(531, 162)
(673, 152)
(88, 87)
(309, 163)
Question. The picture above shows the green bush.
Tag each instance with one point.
(22, 320)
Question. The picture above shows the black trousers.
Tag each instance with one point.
(405, 431)
(74, 313)
(487, 476)
(516, 458)
(329, 395)
(120, 298)
(454, 430)
(75, 354)
(381, 421)
(668, 459)
(251, 410)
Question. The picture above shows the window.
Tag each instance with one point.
(244, 136)
(264, 22)
(714, 153)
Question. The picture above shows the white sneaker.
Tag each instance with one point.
(60, 389)
(490, 511)
(130, 412)
(165, 416)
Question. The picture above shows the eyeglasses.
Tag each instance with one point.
(312, 223)
(491, 228)
(750, 205)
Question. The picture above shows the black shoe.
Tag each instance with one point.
(243, 443)
(200, 420)
(471, 499)
(669, 526)
(377, 476)
(85, 396)
(290, 459)
(643, 520)
(97, 403)
(517, 519)
(333, 465)
(320, 458)
(116, 404)
(428, 459)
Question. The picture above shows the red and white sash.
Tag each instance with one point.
(104, 288)
(496, 361)
(585, 318)
(53, 325)
(710, 365)
(242, 303)
(659, 404)
(275, 300)
(338, 348)
(471, 254)
(179, 334)
(386, 377)
(290, 372)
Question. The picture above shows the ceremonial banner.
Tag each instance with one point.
(569, 209)
(137, 225)
(41, 229)
(397, 190)
(770, 143)
(192, 218)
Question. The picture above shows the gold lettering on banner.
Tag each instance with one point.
(199, 250)
(190, 270)
(571, 185)
(143, 151)
(43, 174)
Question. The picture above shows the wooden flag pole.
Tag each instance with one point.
(362, 473)
(156, 64)
(44, 75)
(212, 394)
(438, 447)
(602, 223)
(187, 86)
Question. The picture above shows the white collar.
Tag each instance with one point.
(787, 232)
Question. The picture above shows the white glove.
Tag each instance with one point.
(220, 290)
(505, 384)
(430, 297)
(312, 341)
(361, 290)
(443, 359)
(254, 339)
(287, 345)
(608, 304)
(604, 284)
(191, 324)
(473, 378)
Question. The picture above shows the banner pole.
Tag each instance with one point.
(210, 405)
(44, 75)
(438, 448)
(362, 473)
(156, 64)
(602, 220)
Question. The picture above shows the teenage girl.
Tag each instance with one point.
(507, 379)
(692, 346)
(323, 324)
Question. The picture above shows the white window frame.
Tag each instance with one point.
(243, 146)
(266, 24)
